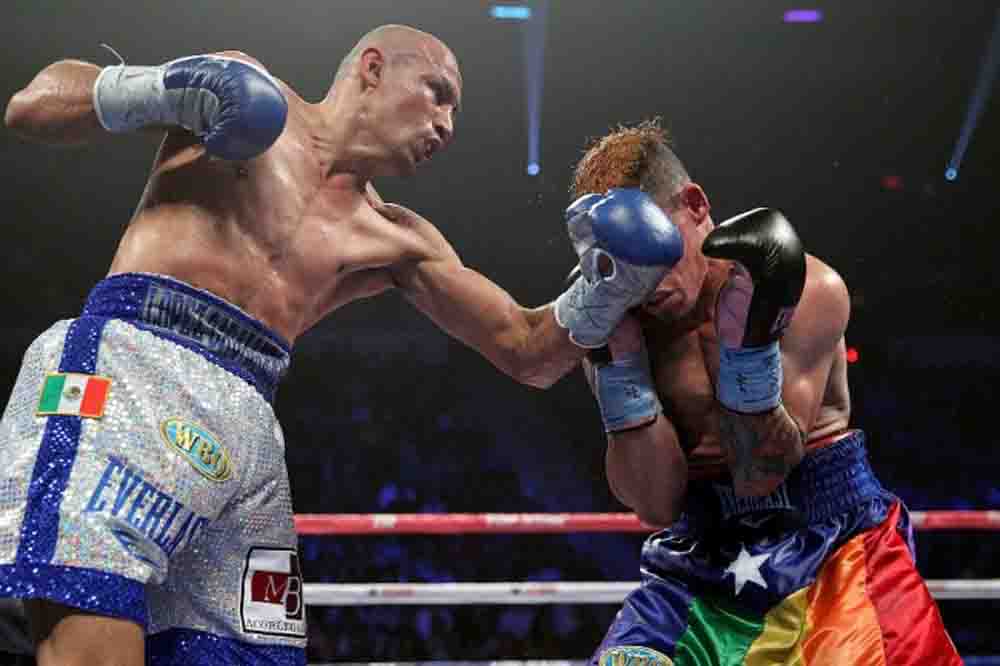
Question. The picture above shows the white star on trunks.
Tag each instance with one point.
(746, 569)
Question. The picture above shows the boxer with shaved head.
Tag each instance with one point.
(147, 514)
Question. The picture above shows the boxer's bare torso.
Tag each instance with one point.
(685, 361)
(279, 236)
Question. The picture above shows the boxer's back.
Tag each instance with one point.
(273, 235)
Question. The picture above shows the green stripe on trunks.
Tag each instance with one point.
(717, 634)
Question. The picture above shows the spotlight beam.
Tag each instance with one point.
(533, 41)
(981, 94)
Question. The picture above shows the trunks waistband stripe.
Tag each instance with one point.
(182, 647)
(198, 320)
(826, 483)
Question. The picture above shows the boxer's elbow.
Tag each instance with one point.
(27, 110)
(657, 516)
(655, 507)
(647, 475)
(56, 106)
(21, 110)
(28, 115)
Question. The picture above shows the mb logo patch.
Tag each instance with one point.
(199, 447)
(272, 601)
(633, 655)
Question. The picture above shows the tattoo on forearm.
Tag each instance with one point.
(762, 448)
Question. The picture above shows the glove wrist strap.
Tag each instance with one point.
(127, 97)
(626, 393)
(750, 378)
(588, 317)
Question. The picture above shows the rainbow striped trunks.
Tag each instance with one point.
(818, 573)
(144, 475)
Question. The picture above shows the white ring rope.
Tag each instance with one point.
(387, 594)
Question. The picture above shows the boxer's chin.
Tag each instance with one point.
(405, 165)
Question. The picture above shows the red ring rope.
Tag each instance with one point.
(558, 523)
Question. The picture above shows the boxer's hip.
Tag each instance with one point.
(133, 431)
(831, 496)
(758, 580)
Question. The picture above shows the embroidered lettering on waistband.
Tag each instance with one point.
(211, 327)
(733, 506)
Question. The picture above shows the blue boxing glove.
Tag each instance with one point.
(235, 108)
(626, 245)
(623, 381)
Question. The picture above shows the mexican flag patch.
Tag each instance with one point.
(74, 394)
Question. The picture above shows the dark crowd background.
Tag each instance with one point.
(847, 125)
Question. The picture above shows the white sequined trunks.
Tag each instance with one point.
(144, 476)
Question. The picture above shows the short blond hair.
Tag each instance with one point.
(630, 156)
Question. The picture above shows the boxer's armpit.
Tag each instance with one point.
(761, 449)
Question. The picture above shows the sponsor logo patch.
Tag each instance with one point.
(633, 655)
(271, 602)
(199, 447)
(142, 516)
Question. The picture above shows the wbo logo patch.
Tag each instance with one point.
(633, 655)
(199, 447)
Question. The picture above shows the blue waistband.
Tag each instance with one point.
(826, 483)
(198, 320)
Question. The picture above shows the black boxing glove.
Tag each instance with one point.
(756, 305)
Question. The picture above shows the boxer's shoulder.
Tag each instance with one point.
(825, 293)
(821, 275)
(821, 318)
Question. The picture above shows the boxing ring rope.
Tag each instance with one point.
(408, 594)
(312, 524)
(969, 661)
(366, 594)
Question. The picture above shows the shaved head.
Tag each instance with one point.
(397, 94)
(399, 43)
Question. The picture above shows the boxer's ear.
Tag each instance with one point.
(693, 198)
(372, 64)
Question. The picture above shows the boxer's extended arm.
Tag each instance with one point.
(57, 107)
(626, 244)
(763, 448)
(525, 343)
